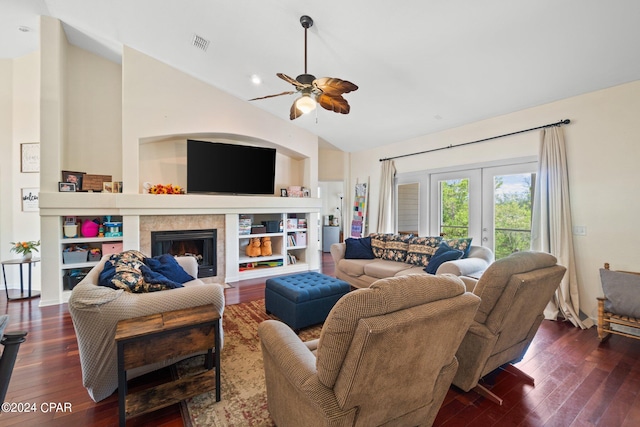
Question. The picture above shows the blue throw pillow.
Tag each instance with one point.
(106, 275)
(167, 266)
(359, 248)
(154, 278)
(443, 254)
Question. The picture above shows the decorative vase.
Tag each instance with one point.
(27, 256)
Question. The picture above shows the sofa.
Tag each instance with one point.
(96, 310)
(360, 262)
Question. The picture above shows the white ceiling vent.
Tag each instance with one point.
(200, 42)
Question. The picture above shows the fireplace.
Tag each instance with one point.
(200, 244)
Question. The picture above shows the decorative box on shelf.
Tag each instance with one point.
(301, 238)
(74, 257)
(95, 254)
(73, 277)
(272, 226)
(94, 182)
(258, 229)
(111, 248)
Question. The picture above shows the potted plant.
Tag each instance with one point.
(25, 249)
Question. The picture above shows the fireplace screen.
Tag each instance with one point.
(200, 244)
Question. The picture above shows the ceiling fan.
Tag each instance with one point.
(326, 91)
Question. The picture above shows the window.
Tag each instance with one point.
(490, 203)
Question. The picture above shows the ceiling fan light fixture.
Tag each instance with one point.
(306, 103)
(326, 91)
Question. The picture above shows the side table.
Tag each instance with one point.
(157, 337)
(21, 295)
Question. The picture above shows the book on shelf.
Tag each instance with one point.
(302, 223)
(291, 240)
(291, 259)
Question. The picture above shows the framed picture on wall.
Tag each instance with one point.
(73, 178)
(29, 199)
(30, 157)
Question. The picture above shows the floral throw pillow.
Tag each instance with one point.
(378, 241)
(396, 247)
(421, 249)
(462, 244)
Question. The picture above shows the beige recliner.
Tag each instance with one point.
(514, 292)
(385, 356)
(96, 310)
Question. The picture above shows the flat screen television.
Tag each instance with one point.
(216, 167)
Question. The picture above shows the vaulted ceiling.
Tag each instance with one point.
(422, 66)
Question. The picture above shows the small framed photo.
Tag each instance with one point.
(117, 186)
(73, 178)
(107, 187)
(306, 192)
(65, 187)
(283, 192)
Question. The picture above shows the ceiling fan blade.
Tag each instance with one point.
(334, 103)
(295, 112)
(290, 80)
(333, 86)
(271, 96)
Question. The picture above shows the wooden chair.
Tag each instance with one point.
(607, 316)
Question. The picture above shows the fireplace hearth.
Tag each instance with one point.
(200, 244)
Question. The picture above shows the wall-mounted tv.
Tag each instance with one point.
(216, 167)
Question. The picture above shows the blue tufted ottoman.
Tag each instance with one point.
(304, 299)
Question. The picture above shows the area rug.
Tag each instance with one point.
(244, 398)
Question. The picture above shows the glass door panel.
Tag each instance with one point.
(455, 203)
(507, 207)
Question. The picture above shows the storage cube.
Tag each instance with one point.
(111, 248)
(74, 257)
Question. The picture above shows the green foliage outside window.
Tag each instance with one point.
(512, 214)
(455, 208)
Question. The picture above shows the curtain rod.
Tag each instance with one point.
(560, 123)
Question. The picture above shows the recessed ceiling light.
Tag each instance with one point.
(24, 28)
(255, 79)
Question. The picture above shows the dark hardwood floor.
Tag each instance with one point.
(579, 382)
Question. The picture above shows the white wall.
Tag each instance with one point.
(93, 114)
(603, 153)
(160, 101)
(19, 123)
(7, 161)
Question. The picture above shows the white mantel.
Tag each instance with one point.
(54, 205)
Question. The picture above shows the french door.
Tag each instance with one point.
(490, 204)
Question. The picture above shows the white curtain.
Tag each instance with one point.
(551, 228)
(386, 206)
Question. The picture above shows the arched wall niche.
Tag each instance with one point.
(163, 159)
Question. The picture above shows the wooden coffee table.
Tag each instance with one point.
(149, 339)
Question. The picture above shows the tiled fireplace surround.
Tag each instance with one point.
(149, 223)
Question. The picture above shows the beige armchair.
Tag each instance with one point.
(385, 356)
(514, 292)
(96, 310)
